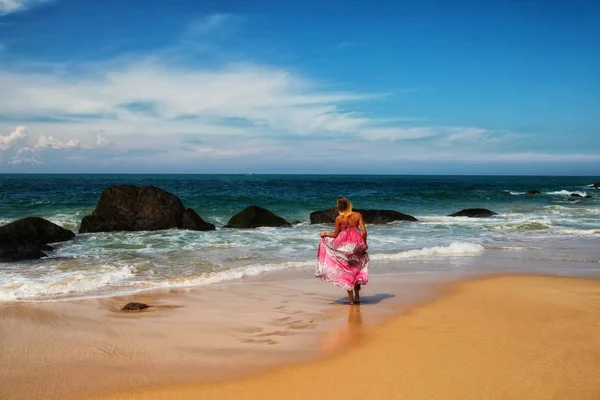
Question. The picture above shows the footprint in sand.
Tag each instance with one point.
(263, 341)
(301, 325)
(275, 333)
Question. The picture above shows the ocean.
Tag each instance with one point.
(551, 232)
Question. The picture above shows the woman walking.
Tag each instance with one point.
(342, 257)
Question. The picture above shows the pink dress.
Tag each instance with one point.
(343, 260)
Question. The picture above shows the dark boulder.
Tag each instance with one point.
(369, 216)
(577, 195)
(35, 230)
(254, 217)
(534, 192)
(474, 213)
(595, 185)
(324, 216)
(135, 306)
(192, 221)
(10, 252)
(25, 238)
(146, 208)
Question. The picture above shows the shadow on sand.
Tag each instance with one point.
(366, 300)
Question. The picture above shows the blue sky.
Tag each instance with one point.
(406, 87)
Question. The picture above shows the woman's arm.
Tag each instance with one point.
(363, 229)
(336, 232)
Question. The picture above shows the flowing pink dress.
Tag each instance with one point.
(343, 260)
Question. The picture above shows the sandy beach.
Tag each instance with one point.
(71, 349)
(498, 338)
(508, 337)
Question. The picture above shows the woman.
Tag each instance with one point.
(342, 257)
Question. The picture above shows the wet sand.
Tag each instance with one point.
(72, 349)
(515, 337)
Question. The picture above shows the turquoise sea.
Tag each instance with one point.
(554, 226)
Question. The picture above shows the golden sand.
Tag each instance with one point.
(71, 349)
(497, 338)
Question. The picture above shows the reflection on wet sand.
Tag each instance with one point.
(346, 336)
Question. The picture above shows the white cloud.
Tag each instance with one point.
(8, 141)
(52, 143)
(25, 156)
(22, 148)
(467, 134)
(182, 98)
(101, 141)
(546, 157)
(396, 134)
(11, 6)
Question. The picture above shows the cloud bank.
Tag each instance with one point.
(159, 112)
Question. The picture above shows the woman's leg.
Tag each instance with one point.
(357, 293)
(350, 297)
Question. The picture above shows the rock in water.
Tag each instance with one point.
(576, 195)
(534, 192)
(324, 216)
(35, 229)
(10, 252)
(146, 208)
(595, 185)
(254, 217)
(135, 306)
(474, 213)
(25, 238)
(369, 216)
(193, 222)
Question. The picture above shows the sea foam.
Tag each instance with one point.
(16, 287)
(452, 249)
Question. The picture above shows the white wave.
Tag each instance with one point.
(231, 274)
(523, 225)
(568, 193)
(17, 287)
(516, 193)
(451, 249)
(580, 232)
(571, 211)
(512, 248)
(445, 219)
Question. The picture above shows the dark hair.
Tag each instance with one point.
(343, 205)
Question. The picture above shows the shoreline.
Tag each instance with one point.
(502, 337)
